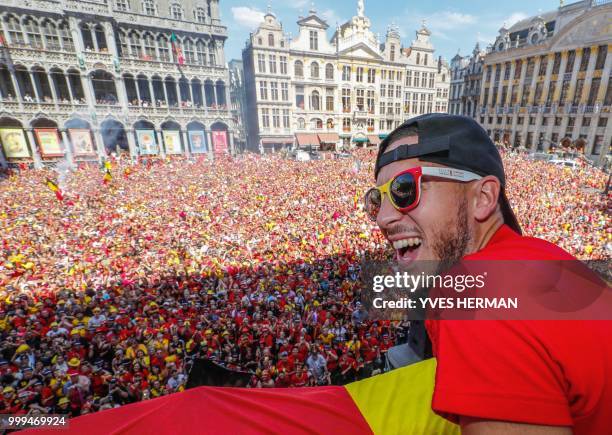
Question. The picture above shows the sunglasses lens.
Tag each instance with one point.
(372, 203)
(404, 190)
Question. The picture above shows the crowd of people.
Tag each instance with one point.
(107, 296)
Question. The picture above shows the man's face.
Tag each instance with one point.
(437, 228)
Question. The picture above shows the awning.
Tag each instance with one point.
(374, 139)
(329, 137)
(307, 139)
(275, 140)
(360, 139)
(382, 136)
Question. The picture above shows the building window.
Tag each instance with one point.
(584, 61)
(346, 124)
(359, 74)
(33, 32)
(578, 93)
(371, 75)
(286, 118)
(431, 80)
(265, 118)
(314, 70)
(360, 102)
(424, 80)
(201, 52)
(383, 74)
(383, 90)
(317, 123)
(272, 64)
(556, 63)
(315, 101)
(148, 7)
(602, 122)
(299, 97)
(301, 123)
(259, 41)
(329, 100)
(66, 36)
(418, 58)
(200, 15)
(558, 121)
(330, 123)
(284, 91)
(571, 57)
(270, 40)
(274, 91)
(298, 68)
(602, 51)
(122, 5)
(149, 47)
(189, 52)
(425, 62)
(417, 77)
(276, 118)
(283, 65)
(176, 11)
(408, 78)
(597, 145)
(586, 121)
(346, 100)
(314, 40)
(543, 65)
(571, 121)
(564, 91)
(162, 46)
(346, 73)
(329, 71)
(392, 53)
(263, 90)
(135, 46)
(51, 37)
(261, 63)
(370, 102)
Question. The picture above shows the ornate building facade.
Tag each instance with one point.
(325, 93)
(546, 81)
(238, 102)
(466, 76)
(79, 80)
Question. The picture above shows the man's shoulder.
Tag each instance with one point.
(508, 245)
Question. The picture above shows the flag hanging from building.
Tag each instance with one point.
(55, 189)
(176, 49)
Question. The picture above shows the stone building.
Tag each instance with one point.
(238, 103)
(317, 92)
(466, 76)
(79, 80)
(546, 81)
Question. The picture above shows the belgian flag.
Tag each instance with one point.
(55, 188)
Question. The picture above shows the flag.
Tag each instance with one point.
(397, 402)
(176, 49)
(55, 189)
(107, 176)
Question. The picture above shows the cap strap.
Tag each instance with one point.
(408, 151)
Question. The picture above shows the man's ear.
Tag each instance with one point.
(486, 193)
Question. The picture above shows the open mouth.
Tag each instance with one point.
(407, 249)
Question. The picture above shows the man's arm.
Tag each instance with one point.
(475, 426)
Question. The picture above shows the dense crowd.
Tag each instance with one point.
(253, 262)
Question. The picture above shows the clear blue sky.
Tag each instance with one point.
(456, 25)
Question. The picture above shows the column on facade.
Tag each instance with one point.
(111, 42)
(160, 142)
(35, 86)
(131, 142)
(574, 78)
(215, 100)
(549, 67)
(179, 100)
(69, 86)
(534, 80)
(136, 85)
(67, 147)
(121, 91)
(77, 37)
(35, 154)
(163, 83)
(211, 154)
(185, 143)
(88, 90)
(53, 90)
(231, 142)
(588, 79)
(560, 76)
(99, 142)
(94, 40)
(150, 83)
(601, 95)
(204, 105)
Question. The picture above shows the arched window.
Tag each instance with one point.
(149, 46)
(162, 47)
(298, 68)
(50, 34)
(315, 101)
(301, 123)
(314, 70)
(212, 59)
(14, 30)
(66, 36)
(176, 11)
(201, 52)
(33, 32)
(148, 7)
(189, 53)
(135, 45)
(317, 123)
(270, 40)
(200, 15)
(329, 71)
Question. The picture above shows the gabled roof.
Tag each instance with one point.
(313, 20)
(351, 51)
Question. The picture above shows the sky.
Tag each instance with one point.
(456, 25)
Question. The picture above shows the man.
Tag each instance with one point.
(492, 376)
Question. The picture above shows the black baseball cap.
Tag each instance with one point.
(451, 140)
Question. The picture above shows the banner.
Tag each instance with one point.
(172, 140)
(81, 141)
(197, 141)
(14, 143)
(49, 142)
(146, 142)
(219, 140)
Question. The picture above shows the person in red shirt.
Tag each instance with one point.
(300, 377)
(441, 187)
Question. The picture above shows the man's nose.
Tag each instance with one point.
(388, 214)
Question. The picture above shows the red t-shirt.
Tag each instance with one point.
(553, 373)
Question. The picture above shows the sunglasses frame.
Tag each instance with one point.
(418, 172)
